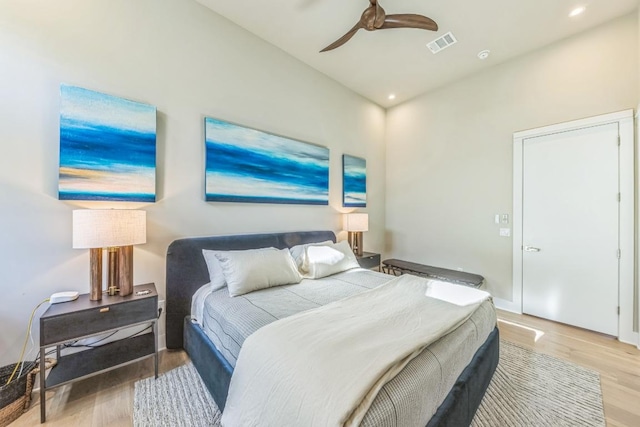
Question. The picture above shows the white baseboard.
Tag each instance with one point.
(629, 338)
(626, 337)
(503, 304)
(162, 342)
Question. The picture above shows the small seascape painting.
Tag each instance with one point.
(107, 147)
(250, 166)
(354, 182)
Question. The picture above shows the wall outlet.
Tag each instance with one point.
(161, 306)
(505, 232)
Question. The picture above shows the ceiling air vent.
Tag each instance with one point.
(442, 43)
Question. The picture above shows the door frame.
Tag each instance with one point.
(626, 231)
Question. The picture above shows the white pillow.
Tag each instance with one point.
(331, 259)
(216, 275)
(254, 269)
(298, 253)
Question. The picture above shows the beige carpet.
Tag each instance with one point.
(528, 389)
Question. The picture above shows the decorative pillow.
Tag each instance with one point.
(331, 259)
(216, 275)
(254, 269)
(299, 254)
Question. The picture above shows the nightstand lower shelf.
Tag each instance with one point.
(100, 359)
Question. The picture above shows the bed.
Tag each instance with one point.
(187, 272)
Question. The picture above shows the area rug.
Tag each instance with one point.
(528, 389)
(534, 389)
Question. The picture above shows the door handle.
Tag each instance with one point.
(531, 249)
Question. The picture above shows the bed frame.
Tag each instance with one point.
(187, 272)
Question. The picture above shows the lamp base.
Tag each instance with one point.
(125, 270)
(120, 271)
(355, 241)
(112, 273)
(95, 265)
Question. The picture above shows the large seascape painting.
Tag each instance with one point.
(251, 166)
(107, 147)
(354, 182)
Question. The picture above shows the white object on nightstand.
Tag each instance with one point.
(66, 296)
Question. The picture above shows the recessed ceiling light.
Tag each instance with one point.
(392, 97)
(577, 11)
(484, 54)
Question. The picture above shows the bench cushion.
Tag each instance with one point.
(453, 276)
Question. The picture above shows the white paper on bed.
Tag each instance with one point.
(324, 367)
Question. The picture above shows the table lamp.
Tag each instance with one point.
(117, 230)
(355, 224)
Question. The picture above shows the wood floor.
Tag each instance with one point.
(103, 400)
(107, 399)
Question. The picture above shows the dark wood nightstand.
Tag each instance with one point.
(82, 318)
(369, 260)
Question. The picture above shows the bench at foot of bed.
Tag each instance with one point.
(398, 267)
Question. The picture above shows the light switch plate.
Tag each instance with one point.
(505, 232)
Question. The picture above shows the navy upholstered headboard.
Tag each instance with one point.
(187, 270)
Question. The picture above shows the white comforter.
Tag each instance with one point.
(324, 367)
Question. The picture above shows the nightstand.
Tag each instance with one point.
(82, 318)
(369, 260)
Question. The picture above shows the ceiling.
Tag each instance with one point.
(397, 61)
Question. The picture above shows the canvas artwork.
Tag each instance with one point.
(251, 166)
(107, 147)
(354, 182)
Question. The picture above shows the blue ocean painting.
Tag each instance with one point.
(107, 147)
(354, 182)
(251, 166)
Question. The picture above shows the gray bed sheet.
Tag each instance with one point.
(411, 398)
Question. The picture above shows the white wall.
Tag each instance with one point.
(449, 152)
(189, 62)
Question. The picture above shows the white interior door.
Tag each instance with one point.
(570, 227)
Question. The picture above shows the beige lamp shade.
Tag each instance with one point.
(356, 222)
(108, 228)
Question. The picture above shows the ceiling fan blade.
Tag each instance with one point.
(410, 20)
(342, 40)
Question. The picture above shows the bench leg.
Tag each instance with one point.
(391, 270)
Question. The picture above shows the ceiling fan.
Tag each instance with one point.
(374, 18)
